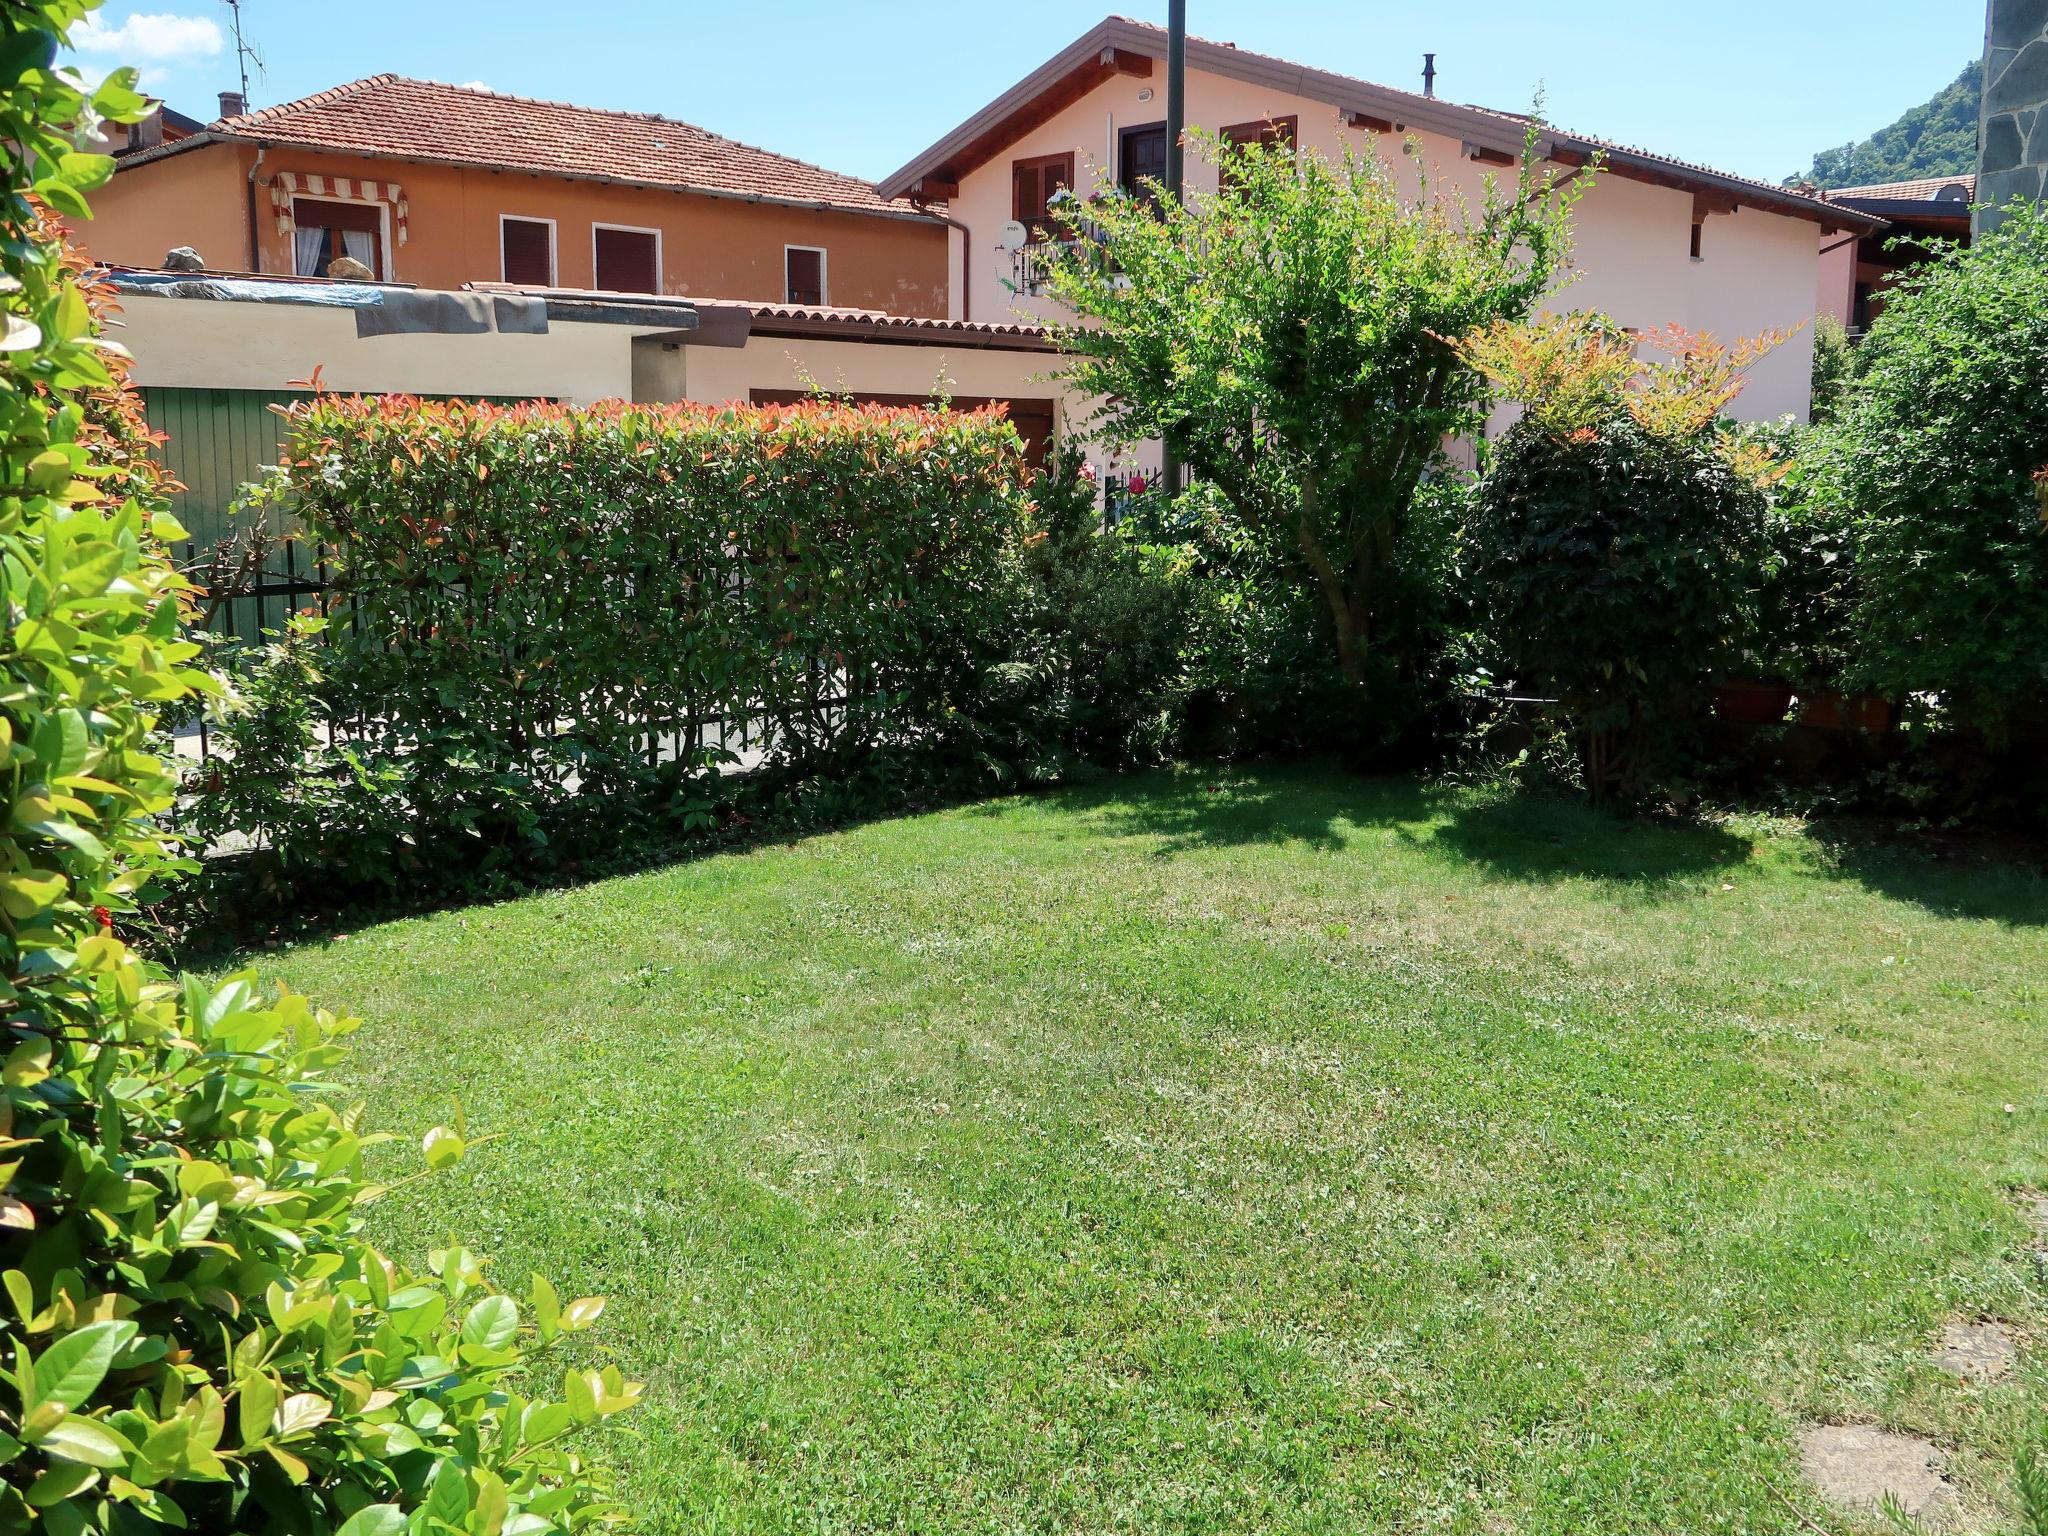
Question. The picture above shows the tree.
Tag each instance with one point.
(1293, 335)
(1940, 459)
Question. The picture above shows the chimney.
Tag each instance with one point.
(1429, 74)
(233, 104)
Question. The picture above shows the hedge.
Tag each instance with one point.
(534, 604)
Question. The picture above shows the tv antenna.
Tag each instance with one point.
(244, 54)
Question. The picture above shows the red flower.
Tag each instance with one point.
(104, 918)
(1136, 485)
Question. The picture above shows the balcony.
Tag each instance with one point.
(1029, 264)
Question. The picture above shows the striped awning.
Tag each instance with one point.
(286, 185)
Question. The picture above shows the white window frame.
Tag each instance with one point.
(824, 273)
(386, 255)
(625, 229)
(554, 248)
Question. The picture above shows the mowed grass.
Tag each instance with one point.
(1269, 1151)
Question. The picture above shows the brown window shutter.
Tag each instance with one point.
(526, 252)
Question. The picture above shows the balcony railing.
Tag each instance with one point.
(1029, 265)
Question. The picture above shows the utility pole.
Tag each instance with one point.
(1176, 188)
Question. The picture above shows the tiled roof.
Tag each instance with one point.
(400, 118)
(1922, 191)
(832, 314)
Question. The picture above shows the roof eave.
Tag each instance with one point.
(1474, 125)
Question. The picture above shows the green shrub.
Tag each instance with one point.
(543, 612)
(1616, 535)
(1834, 368)
(1803, 576)
(1091, 674)
(196, 1334)
(1936, 459)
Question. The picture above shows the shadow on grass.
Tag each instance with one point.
(1984, 876)
(1198, 807)
(1542, 837)
(1528, 836)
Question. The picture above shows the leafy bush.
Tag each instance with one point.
(1615, 534)
(197, 1335)
(543, 610)
(1937, 459)
(1091, 675)
(1834, 367)
(1799, 630)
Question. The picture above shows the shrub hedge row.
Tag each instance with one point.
(534, 604)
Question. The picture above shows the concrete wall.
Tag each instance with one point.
(198, 344)
(1758, 270)
(711, 247)
(718, 374)
(2013, 147)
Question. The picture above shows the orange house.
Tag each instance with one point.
(441, 185)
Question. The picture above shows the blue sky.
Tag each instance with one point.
(1751, 86)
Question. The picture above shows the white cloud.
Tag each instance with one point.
(150, 38)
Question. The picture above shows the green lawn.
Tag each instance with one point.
(1267, 1151)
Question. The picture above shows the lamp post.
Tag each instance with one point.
(1176, 128)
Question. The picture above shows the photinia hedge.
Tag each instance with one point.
(194, 1334)
(535, 602)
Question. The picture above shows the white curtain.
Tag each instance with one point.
(309, 251)
(359, 244)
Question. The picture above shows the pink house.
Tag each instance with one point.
(1659, 241)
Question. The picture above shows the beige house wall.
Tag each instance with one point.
(717, 374)
(1758, 270)
(197, 344)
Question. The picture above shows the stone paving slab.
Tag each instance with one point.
(1855, 1465)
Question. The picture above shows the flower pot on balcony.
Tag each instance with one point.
(1752, 703)
(1837, 712)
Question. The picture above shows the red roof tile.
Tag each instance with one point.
(399, 118)
(1926, 190)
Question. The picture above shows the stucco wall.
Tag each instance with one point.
(1758, 271)
(198, 344)
(718, 374)
(196, 198)
(711, 247)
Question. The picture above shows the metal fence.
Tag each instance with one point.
(247, 595)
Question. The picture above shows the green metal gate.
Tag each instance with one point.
(217, 441)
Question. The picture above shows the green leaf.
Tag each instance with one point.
(300, 1412)
(448, 1495)
(492, 1324)
(443, 1148)
(377, 1520)
(69, 1371)
(87, 1441)
(255, 1408)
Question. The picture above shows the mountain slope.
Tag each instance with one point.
(1937, 138)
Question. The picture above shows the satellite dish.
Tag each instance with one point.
(1015, 236)
(1954, 192)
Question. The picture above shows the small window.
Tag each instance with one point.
(803, 274)
(1273, 133)
(328, 231)
(626, 260)
(1698, 241)
(526, 251)
(1034, 183)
